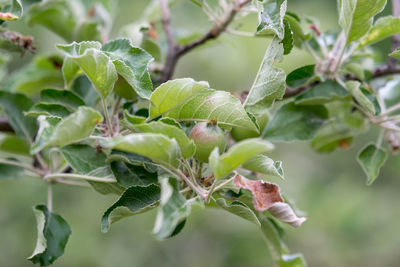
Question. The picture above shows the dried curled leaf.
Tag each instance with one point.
(267, 196)
(285, 213)
(264, 194)
(16, 42)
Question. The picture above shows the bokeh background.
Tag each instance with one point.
(349, 223)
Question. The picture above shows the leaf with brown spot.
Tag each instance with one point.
(267, 196)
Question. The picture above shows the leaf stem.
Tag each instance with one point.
(256, 78)
(116, 106)
(390, 110)
(380, 138)
(71, 182)
(190, 171)
(200, 169)
(211, 191)
(63, 168)
(22, 165)
(220, 186)
(109, 125)
(41, 161)
(79, 177)
(178, 173)
(50, 196)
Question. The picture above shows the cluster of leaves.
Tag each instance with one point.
(89, 116)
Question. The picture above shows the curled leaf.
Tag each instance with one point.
(53, 235)
(285, 213)
(267, 196)
(264, 194)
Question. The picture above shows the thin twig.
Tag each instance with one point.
(50, 196)
(190, 171)
(220, 186)
(79, 177)
(71, 182)
(109, 124)
(175, 51)
(20, 164)
(377, 72)
(116, 106)
(389, 110)
(211, 191)
(179, 174)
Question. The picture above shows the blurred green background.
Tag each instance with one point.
(349, 223)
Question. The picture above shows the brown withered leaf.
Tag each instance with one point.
(264, 194)
(267, 196)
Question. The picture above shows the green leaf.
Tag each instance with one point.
(344, 123)
(187, 100)
(62, 97)
(383, 28)
(240, 209)
(47, 110)
(84, 88)
(287, 41)
(10, 171)
(83, 158)
(362, 99)
(10, 10)
(300, 76)
(356, 69)
(371, 159)
(356, 16)
(265, 165)
(271, 18)
(132, 64)
(173, 209)
(238, 154)
(53, 235)
(269, 83)
(13, 145)
(133, 159)
(131, 119)
(4, 59)
(41, 73)
(87, 160)
(70, 71)
(395, 53)
(213, 105)
(292, 260)
(186, 145)
(128, 174)
(134, 200)
(13, 106)
(172, 94)
(74, 128)
(322, 93)
(271, 237)
(332, 135)
(47, 126)
(298, 34)
(97, 66)
(58, 16)
(157, 147)
(295, 122)
(89, 30)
